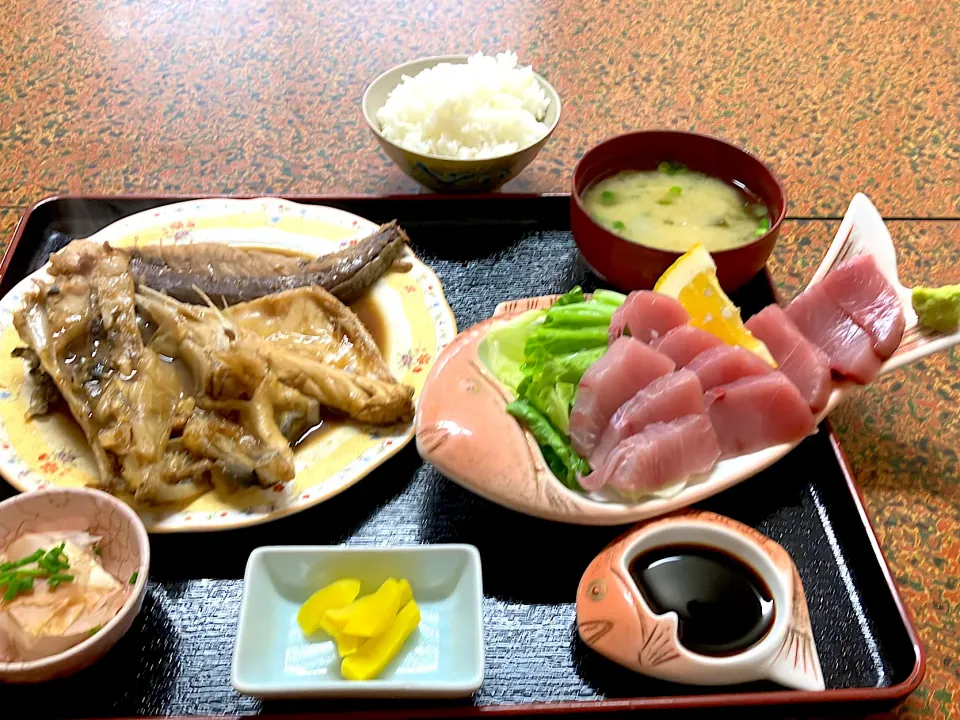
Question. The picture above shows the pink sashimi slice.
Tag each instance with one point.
(684, 343)
(861, 290)
(758, 412)
(800, 360)
(824, 323)
(661, 455)
(665, 399)
(618, 324)
(724, 364)
(647, 315)
(626, 368)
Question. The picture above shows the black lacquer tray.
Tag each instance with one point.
(176, 658)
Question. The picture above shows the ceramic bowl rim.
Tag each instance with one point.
(774, 226)
(712, 535)
(371, 120)
(143, 544)
(375, 687)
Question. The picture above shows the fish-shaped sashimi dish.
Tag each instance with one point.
(678, 388)
(610, 408)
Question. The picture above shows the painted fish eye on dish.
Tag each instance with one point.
(666, 400)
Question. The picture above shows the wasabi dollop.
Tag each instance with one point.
(938, 308)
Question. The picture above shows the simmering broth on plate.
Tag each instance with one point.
(673, 208)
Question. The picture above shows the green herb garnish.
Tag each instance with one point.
(59, 578)
(17, 578)
(542, 356)
(22, 561)
(133, 578)
(668, 167)
(563, 460)
(54, 560)
(676, 190)
(617, 225)
(607, 197)
(28, 572)
(764, 227)
(95, 630)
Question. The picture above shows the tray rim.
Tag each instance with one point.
(891, 695)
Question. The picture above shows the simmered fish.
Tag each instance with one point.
(125, 397)
(209, 393)
(228, 274)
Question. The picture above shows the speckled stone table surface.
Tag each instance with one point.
(240, 96)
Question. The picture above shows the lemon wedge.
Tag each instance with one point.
(692, 281)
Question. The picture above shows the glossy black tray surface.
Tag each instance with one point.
(176, 659)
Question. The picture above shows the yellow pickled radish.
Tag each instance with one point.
(377, 616)
(370, 660)
(335, 595)
(335, 620)
(692, 281)
(348, 644)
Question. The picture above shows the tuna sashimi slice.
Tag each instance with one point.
(824, 323)
(799, 359)
(724, 364)
(665, 399)
(626, 368)
(660, 456)
(861, 291)
(758, 412)
(647, 315)
(684, 343)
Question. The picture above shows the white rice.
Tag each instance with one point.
(486, 108)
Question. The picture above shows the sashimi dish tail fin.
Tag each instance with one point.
(863, 232)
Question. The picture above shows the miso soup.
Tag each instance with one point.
(673, 208)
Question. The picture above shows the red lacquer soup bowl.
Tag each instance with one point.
(633, 266)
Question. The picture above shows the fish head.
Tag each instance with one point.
(611, 617)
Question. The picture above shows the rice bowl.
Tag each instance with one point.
(452, 174)
(484, 108)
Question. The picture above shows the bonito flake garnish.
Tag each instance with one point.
(51, 617)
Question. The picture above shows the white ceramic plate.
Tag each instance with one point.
(442, 658)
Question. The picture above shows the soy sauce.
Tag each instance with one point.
(723, 605)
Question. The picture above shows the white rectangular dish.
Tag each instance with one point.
(443, 658)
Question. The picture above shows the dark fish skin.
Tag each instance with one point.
(229, 275)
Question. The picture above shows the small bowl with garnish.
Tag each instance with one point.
(642, 199)
(342, 621)
(73, 574)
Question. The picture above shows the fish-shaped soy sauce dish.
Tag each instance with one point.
(606, 410)
(700, 599)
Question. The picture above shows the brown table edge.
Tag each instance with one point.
(893, 694)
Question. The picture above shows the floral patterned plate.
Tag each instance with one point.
(406, 312)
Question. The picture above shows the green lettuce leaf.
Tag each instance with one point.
(502, 350)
